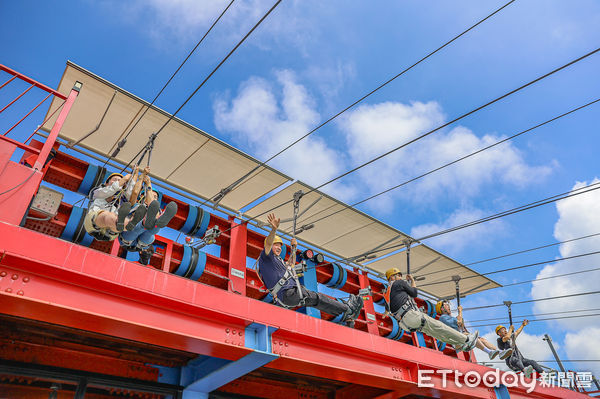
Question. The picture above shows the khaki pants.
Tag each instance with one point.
(432, 327)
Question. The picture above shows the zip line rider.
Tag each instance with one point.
(282, 282)
(404, 309)
(108, 214)
(443, 309)
(507, 339)
(141, 237)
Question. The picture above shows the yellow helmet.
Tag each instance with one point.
(113, 175)
(390, 272)
(276, 240)
(438, 307)
(499, 328)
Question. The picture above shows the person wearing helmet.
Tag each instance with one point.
(443, 309)
(288, 292)
(516, 362)
(107, 215)
(404, 309)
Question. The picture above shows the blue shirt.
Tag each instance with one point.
(449, 321)
(271, 269)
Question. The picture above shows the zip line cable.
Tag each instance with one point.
(545, 319)
(172, 116)
(534, 300)
(510, 254)
(448, 164)
(531, 249)
(218, 196)
(521, 208)
(427, 133)
(535, 315)
(550, 277)
(516, 267)
(123, 141)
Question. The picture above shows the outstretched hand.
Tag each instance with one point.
(293, 242)
(273, 221)
(525, 322)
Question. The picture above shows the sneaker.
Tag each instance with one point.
(122, 213)
(137, 217)
(493, 354)
(167, 215)
(505, 354)
(471, 342)
(151, 214)
(146, 255)
(527, 371)
(355, 304)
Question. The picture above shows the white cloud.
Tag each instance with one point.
(578, 216)
(581, 345)
(453, 243)
(268, 117)
(171, 22)
(372, 130)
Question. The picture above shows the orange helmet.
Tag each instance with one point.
(391, 272)
(499, 328)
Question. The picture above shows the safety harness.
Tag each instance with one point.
(292, 271)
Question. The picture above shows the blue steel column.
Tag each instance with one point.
(309, 280)
(501, 392)
(206, 374)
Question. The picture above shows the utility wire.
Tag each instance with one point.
(535, 315)
(124, 140)
(545, 319)
(239, 181)
(521, 208)
(534, 300)
(209, 76)
(510, 254)
(447, 164)
(516, 268)
(428, 133)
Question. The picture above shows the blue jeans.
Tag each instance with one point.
(139, 236)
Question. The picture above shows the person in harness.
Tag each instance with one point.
(108, 214)
(516, 362)
(404, 309)
(141, 237)
(443, 309)
(282, 282)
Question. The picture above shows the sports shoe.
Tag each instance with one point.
(122, 213)
(146, 255)
(493, 354)
(151, 214)
(527, 371)
(168, 213)
(355, 304)
(471, 342)
(138, 215)
(505, 354)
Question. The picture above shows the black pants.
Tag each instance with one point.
(518, 363)
(313, 299)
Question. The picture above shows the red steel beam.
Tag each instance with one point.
(66, 284)
(34, 82)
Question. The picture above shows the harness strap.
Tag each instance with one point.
(406, 306)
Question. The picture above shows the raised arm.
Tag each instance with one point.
(274, 223)
(412, 290)
(525, 322)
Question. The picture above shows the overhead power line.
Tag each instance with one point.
(534, 300)
(447, 164)
(209, 76)
(123, 141)
(218, 196)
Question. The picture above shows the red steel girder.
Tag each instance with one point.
(67, 284)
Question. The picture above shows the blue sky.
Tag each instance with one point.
(310, 59)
